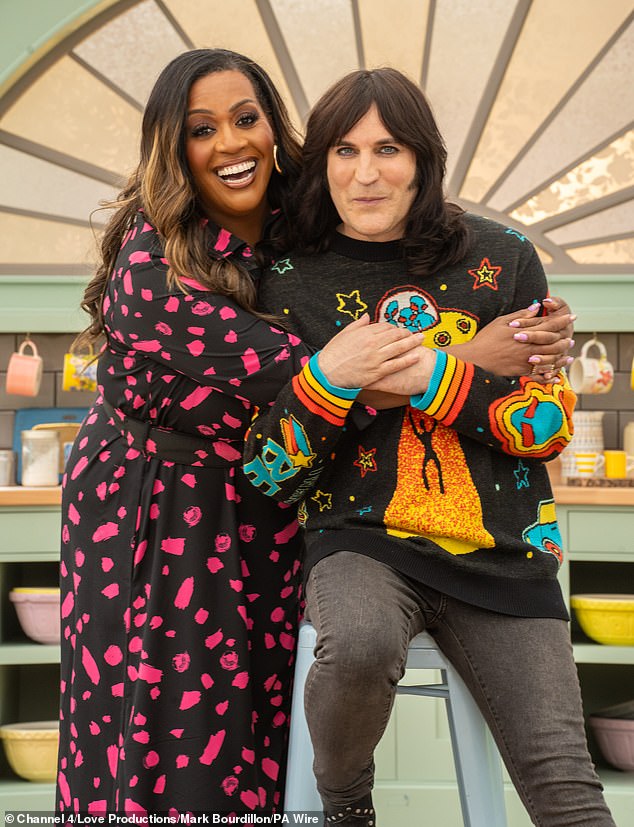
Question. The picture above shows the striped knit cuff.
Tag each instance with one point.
(448, 388)
(316, 393)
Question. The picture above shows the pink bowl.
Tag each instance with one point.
(38, 613)
(615, 737)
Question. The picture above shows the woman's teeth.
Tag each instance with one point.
(237, 172)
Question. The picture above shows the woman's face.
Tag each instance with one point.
(229, 147)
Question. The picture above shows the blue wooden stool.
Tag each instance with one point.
(477, 761)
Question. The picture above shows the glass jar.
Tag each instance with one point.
(40, 458)
(6, 467)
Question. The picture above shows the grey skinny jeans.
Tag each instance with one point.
(520, 671)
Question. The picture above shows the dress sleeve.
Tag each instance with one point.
(202, 335)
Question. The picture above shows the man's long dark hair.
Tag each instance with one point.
(436, 233)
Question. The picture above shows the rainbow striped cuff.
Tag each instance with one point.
(448, 388)
(316, 393)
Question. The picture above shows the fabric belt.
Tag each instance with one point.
(173, 446)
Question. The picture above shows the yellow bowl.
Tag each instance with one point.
(606, 618)
(31, 749)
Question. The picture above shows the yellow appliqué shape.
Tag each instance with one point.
(351, 304)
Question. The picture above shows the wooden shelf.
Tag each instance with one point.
(21, 495)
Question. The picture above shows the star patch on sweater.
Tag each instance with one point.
(323, 500)
(282, 266)
(351, 304)
(365, 461)
(486, 275)
(521, 475)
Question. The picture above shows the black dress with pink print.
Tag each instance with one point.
(180, 582)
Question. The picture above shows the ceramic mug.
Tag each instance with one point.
(80, 371)
(24, 373)
(590, 375)
(588, 463)
(617, 464)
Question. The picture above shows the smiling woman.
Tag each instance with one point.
(230, 152)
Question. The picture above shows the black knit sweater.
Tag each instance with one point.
(452, 491)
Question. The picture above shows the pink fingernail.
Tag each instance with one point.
(534, 305)
(534, 360)
(573, 317)
(514, 323)
(520, 337)
(570, 360)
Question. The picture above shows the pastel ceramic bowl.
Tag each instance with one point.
(606, 618)
(38, 613)
(31, 749)
(615, 737)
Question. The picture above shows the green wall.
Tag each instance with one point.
(27, 26)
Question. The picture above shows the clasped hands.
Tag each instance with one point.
(383, 357)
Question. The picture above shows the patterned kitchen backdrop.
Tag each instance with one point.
(618, 403)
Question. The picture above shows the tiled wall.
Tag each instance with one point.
(51, 347)
(618, 403)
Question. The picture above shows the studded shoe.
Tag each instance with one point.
(359, 814)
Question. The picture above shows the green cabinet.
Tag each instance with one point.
(415, 772)
(29, 672)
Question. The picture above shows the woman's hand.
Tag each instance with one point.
(522, 343)
(363, 353)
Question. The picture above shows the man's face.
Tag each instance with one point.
(371, 178)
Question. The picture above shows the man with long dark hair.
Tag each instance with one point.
(465, 546)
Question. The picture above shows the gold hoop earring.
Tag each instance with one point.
(275, 161)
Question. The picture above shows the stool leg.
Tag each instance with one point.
(301, 789)
(478, 767)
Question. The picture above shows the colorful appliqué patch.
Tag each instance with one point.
(486, 275)
(296, 443)
(412, 308)
(544, 534)
(351, 304)
(528, 421)
(434, 500)
(272, 466)
(366, 461)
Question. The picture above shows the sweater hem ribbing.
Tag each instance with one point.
(516, 597)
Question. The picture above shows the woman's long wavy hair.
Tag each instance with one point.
(436, 233)
(162, 184)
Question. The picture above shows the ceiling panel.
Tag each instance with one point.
(70, 111)
(237, 26)
(605, 173)
(42, 242)
(534, 99)
(615, 252)
(539, 74)
(321, 40)
(41, 187)
(395, 39)
(129, 61)
(459, 66)
(615, 221)
(602, 106)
